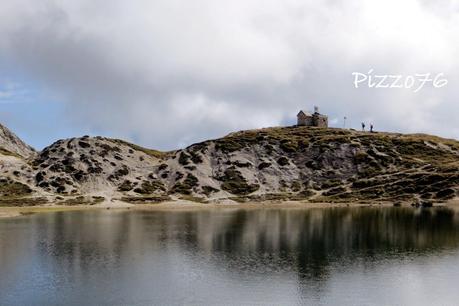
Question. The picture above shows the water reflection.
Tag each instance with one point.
(142, 258)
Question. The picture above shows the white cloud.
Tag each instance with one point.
(173, 72)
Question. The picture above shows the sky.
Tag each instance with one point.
(168, 73)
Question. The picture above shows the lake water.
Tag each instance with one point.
(332, 256)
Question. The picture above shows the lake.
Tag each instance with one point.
(317, 256)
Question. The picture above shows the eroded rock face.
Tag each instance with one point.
(9, 142)
(91, 164)
(276, 163)
(15, 170)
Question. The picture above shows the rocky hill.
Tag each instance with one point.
(284, 163)
(10, 144)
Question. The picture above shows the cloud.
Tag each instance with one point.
(12, 92)
(169, 73)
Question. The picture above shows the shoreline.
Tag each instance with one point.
(183, 205)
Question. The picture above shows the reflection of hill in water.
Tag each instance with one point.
(318, 232)
(312, 239)
(305, 240)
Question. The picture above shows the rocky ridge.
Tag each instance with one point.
(10, 144)
(281, 163)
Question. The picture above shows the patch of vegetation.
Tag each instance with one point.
(288, 146)
(80, 200)
(97, 199)
(108, 148)
(178, 175)
(296, 186)
(228, 145)
(184, 159)
(146, 200)
(186, 186)
(198, 147)
(361, 157)
(149, 152)
(9, 188)
(235, 183)
(262, 197)
(149, 187)
(274, 197)
(269, 149)
(118, 173)
(306, 193)
(125, 186)
(162, 167)
(15, 201)
(195, 157)
(330, 183)
(5, 152)
(193, 199)
(240, 164)
(283, 161)
(83, 144)
(334, 191)
(264, 165)
(446, 194)
(208, 190)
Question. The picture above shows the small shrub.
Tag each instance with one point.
(295, 186)
(207, 190)
(196, 158)
(148, 187)
(184, 159)
(97, 199)
(126, 186)
(240, 164)
(361, 157)
(264, 165)
(283, 161)
(446, 194)
(83, 144)
(186, 186)
(235, 183)
(178, 175)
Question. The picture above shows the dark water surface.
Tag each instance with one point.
(333, 256)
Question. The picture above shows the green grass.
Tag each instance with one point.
(193, 199)
(150, 152)
(22, 201)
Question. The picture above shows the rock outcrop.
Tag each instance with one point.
(285, 163)
(10, 143)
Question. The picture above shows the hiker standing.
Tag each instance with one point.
(363, 126)
(371, 128)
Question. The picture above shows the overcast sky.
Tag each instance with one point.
(167, 73)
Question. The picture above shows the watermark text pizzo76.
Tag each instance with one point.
(416, 82)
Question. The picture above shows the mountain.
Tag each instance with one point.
(280, 163)
(10, 143)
